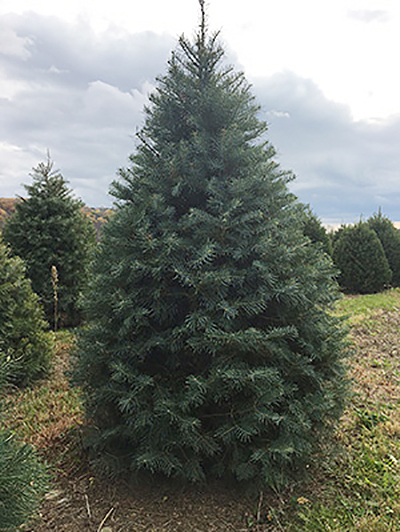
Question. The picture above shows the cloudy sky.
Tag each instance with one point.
(74, 77)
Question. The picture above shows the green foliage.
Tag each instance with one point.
(389, 237)
(316, 232)
(23, 478)
(23, 339)
(22, 482)
(48, 229)
(359, 255)
(210, 350)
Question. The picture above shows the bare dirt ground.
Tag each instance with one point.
(81, 502)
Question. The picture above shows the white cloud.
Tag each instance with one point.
(279, 114)
(54, 70)
(11, 44)
(369, 15)
(108, 105)
(14, 161)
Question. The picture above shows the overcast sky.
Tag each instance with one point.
(74, 77)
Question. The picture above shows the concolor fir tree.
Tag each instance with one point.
(210, 351)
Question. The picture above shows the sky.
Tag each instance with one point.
(75, 76)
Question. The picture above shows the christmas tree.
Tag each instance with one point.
(389, 237)
(48, 230)
(359, 255)
(210, 350)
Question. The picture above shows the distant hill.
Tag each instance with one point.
(7, 206)
(98, 215)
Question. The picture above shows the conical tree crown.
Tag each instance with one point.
(49, 184)
(49, 230)
(210, 351)
(200, 128)
(389, 237)
(360, 257)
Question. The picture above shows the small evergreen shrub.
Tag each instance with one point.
(210, 349)
(49, 230)
(389, 237)
(359, 255)
(23, 336)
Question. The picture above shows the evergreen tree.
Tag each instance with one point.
(316, 232)
(359, 255)
(23, 339)
(389, 237)
(48, 229)
(210, 351)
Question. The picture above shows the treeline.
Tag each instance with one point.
(366, 254)
(7, 207)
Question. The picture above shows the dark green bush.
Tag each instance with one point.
(389, 237)
(210, 350)
(359, 255)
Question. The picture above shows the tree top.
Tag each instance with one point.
(203, 26)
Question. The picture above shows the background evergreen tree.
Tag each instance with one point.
(210, 351)
(316, 232)
(23, 477)
(48, 229)
(389, 237)
(359, 255)
(23, 339)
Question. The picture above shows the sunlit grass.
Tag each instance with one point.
(359, 307)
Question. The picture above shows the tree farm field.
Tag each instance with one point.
(353, 485)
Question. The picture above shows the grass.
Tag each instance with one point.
(42, 414)
(355, 487)
(358, 308)
(358, 487)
